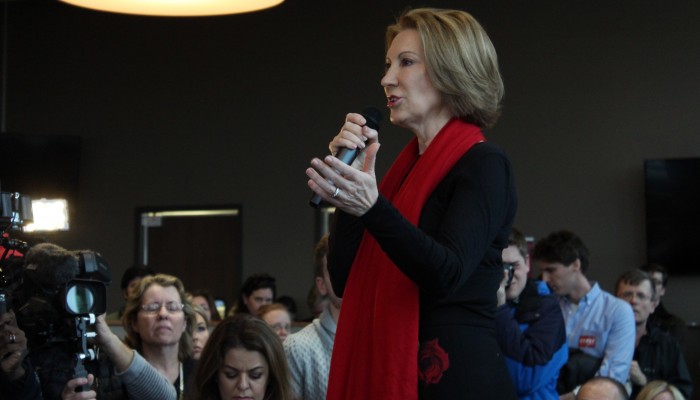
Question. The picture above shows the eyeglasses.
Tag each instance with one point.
(171, 306)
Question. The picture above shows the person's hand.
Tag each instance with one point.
(119, 353)
(501, 293)
(568, 396)
(636, 375)
(69, 392)
(354, 135)
(353, 189)
(344, 187)
(13, 347)
(105, 336)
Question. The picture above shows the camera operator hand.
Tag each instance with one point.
(13, 347)
(119, 353)
(501, 293)
(69, 392)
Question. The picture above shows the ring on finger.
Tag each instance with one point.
(13, 338)
(336, 193)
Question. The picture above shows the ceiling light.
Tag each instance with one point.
(176, 8)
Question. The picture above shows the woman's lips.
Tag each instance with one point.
(392, 100)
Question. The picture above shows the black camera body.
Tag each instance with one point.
(45, 285)
(44, 300)
(508, 267)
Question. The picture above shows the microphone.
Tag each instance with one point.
(373, 117)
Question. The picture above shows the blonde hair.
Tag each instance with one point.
(133, 306)
(655, 388)
(460, 59)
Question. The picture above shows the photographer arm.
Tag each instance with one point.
(140, 379)
(17, 378)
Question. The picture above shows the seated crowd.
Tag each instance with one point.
(562, 336)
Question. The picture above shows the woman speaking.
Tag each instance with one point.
(418, 259)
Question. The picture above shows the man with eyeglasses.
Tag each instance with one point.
(657, 355)
(529, 326)
(663, 319)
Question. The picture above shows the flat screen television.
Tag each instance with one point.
(672, 195)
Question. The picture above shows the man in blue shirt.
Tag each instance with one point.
(600, 328)
(529, 327)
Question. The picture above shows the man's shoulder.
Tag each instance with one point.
(611, 303)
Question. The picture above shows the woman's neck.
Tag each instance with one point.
(429, 130)
(164, 359)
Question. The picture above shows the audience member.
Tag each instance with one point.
(316, 302)
(599, 327)
(602, 388)
(257, 290)
(291, 305)
(277, 317)
(309, 350)
(204, 299)
(47, 370)
(529, 326)
(657, 354)
(158, 320)
(243, 359)
(661, 317)
(660, 390)
(200, 333)
(130, 280)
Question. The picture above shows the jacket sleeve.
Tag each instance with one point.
(680, 376)
(534, 355)
(27, 387)
(142, 381)
(481, 197)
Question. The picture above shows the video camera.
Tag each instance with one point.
(55, 293)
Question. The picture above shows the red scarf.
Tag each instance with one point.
(375, 355)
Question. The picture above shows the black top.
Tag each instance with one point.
(454, 256)
(659, 356)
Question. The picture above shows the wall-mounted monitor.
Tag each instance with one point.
(672, 194)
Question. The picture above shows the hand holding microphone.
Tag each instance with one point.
(347, 155)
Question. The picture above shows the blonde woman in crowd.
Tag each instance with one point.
(660, 390)
(158, 320)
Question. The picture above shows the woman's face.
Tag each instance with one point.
(257, 299)
(411, 96)
(202, 302)
(161, 327)
(280, 322)
(244, 375)
(199, 337)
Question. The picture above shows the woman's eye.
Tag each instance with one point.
(255, 376)
(406, 62)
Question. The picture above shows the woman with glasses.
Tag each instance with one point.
(158, 320)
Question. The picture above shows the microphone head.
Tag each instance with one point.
(373, 116)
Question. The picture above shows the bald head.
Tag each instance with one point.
(602, 388)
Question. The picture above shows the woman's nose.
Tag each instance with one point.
(243, 383)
